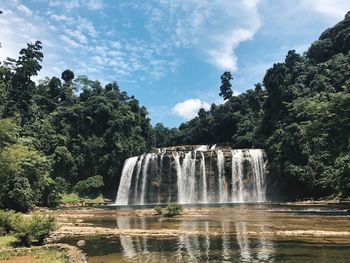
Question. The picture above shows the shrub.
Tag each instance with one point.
(33, 230)
(173, 209)
(158, 209)
(7, 221)
(53, 189)
(20, 197)
(27, 229)
(90, 187)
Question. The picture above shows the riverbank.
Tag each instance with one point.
(58, 253)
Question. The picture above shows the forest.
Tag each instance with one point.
(72, 134)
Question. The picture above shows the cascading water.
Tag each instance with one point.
(125, 181)
(144, 177)
(186, 178)
(221, 177)
(257, 161)
(138, 173)
(204, 194)
(237, 176)
(189, 175)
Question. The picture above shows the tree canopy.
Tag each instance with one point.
(52, 133)
(300, 115)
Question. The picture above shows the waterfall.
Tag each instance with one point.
(221, 177)
(204, 194)
(125, 181)
(237, 176)
(144, 177)
(257, 161)
(186, 178)
(138, 173)
(190, 175)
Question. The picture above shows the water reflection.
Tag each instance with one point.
(222, 241)
(260, 249)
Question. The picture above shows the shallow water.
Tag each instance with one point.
(225, 234)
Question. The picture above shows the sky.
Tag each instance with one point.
(169, 54)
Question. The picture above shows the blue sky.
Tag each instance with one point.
(168, 53)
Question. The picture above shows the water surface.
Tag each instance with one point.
(240, 233)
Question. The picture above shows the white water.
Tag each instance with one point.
(237, 176)
(186, 178)
(138, 173)
(144, 177)
(234, 176)
(204, 194)
(223, 193)
(257, 161)
(123, 192)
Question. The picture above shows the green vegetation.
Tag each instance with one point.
(158, 209)
(72, 135)
(58, 136)
(75, 199)
(28, 230)
(7, 241)
(90, 187)
(37, 255)
(300, 114)
(173, 209)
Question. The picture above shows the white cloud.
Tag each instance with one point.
(334, 8)
(77, 35)
(188, 109)
(69, 41)
(95, 4)
(223, 55)
(87, 25)
(25, 10)
(70, 4)
(61, 18)
(214, 28)
(74, 4)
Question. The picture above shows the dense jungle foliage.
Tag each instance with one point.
(63, 134)
(72, 134)
(300, 115)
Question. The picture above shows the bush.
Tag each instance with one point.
(74, 199)
(22, 176)
(27, 229)
(173, 209)
(158, 209)
(20, 196)
(53, 189)
(33, 230)
(7, 221)
(90, 187)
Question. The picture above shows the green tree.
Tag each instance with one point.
(91, 187)
(22, 87)
(67, 75)
(225, 88)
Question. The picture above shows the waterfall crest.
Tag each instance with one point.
(190, 175)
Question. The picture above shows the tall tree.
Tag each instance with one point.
(22, 87)
(225, 88)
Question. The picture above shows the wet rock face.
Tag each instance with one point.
(194, 174)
